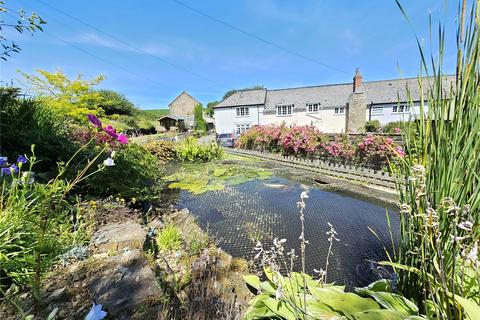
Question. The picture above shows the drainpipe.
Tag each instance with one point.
(258, 115)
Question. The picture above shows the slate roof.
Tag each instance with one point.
(332, 95)
(247, 97)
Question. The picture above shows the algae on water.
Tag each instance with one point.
(200, 178)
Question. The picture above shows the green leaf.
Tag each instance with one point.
(252, 280)
(280, 308)
(393, 301)
(346, 303)
(472, 310)
(378, 315)
(380, 285)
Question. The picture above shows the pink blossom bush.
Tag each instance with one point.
(304, 141)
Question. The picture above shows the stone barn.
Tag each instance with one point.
(183, 107)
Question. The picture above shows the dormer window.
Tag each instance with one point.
(286, 110)
(313, 107)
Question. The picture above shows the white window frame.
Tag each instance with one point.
(312, 106)
(377, 110)
(284, 110)
(241, 128)
(339, 110)
(402, 108)
(242, 112)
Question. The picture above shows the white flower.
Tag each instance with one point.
(109, 162)
(278, 293)
(304, 195)
(96, 313)
(466, 225)
(472, 256)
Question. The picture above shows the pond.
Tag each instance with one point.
(264, 209)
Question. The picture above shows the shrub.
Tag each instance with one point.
(372, 126)
(394, 127)
(199, 121)
(190, 150)
(302, 140)
(169, 238)
(116, 103)
(376, 151)
(135, 174)
(24, 122)
(163, 150)
(340, 150)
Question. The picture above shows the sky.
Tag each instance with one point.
(151, 51)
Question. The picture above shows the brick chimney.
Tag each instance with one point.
(357, 81)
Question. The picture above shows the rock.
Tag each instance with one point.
(125, 283)
(56, 295)
(156, 223)
(118, 236)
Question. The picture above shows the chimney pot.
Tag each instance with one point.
(357, 80)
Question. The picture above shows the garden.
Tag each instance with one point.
(96, 225)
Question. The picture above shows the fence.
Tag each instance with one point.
(346, 172)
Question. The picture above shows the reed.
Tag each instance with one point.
(439, 181)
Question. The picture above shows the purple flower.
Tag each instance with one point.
(22, 159)
(111, 131)
(3, 161)
(94, 120)
(8, 170)
(122, 139)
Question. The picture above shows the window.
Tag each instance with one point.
(241, 128)
(313, 107)
(340, 110)
(401, 108)
(376, 110)
(242, 112)
(284, 110)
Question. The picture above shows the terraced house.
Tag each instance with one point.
(333, 108)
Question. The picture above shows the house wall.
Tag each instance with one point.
(226, 119)
(387, 115)
(326, 120)
(183, 105)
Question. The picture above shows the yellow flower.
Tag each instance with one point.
(134, 200)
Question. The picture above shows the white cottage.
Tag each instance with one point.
(334, 108)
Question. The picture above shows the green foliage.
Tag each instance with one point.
(437, 261)
(153, 114)
(372, 126)
(116, 103)
(209, 111)
(21, 22)
(163, 150)
(35, 223)
(298, 296)
(74, 98)
(210, 177)
(190, 150)
(135, 174)
(393, 126)
(169, 238)
(199, 121)
(24, 122)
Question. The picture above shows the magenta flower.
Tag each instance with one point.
(94, 120)
(111, 131)
(122, 139)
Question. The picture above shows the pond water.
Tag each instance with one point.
(268, 209)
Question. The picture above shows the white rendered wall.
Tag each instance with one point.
(226, 119)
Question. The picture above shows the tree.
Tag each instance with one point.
(209, 111)
(116, 103)
(230, 92)
(74, 98)
(30, 23)
(199, 122)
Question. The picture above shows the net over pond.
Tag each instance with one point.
(265, 209)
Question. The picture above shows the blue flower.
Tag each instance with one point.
(96, 313)
(22, 159)
(3, 161)
(9, 170)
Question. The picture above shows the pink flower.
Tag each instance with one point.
(122, 139)
(111, 131)
(397, 130)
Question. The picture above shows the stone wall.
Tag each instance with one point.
(183, 105)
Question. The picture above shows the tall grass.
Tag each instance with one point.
(438, 261)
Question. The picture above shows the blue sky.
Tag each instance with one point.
(165, 48)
